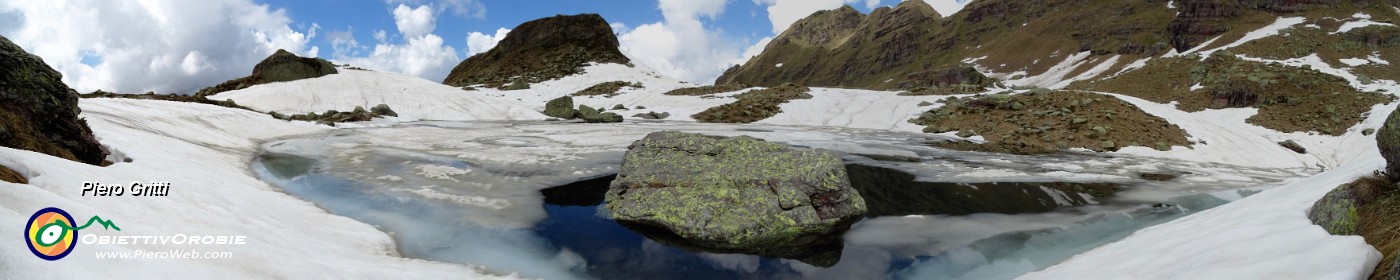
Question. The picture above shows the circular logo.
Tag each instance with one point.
(50, 234)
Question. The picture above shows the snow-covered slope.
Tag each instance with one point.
(1265, 236)
(204, 150)
(411, 97)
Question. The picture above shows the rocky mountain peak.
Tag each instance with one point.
(281, 66)
(827, 28)
(540, 50)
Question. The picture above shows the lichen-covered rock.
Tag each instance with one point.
(38, 112)
(383, 110)
(608, 117)
(653, 115)
(584, 111)
(1336, 211)
(331, 117)
(1388, 140)
(736, 194)
(562, 107)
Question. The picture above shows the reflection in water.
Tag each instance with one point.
(440, 200)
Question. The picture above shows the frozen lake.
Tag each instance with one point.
(471, 192)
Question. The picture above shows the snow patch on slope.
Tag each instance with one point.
(1264, 236)
(1270, 30)
(411, 97)
(1362, 20)
(854, 109)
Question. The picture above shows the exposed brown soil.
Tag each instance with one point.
(1289, 99)
(754, 105)
(1048, 121)
(167, 97)
(706, 90)
(607, 89)
(8, 175)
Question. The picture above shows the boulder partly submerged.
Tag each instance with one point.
(736, 195)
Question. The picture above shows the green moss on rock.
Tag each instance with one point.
(739, 194)
(1388, 140)
(562, 107)
(1336, 212)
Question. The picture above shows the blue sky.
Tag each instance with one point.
(180, 46)
(743, 19)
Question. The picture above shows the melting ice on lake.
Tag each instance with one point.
(489, 194)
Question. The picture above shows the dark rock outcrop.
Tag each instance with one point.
(736, 194)
(562, 107)
(1336, 211)
(541, 50)
(38, 112)
(653, 115)
(1388, 140)
(891, 47)
(331, 117)
(842, 48)
(281, 66)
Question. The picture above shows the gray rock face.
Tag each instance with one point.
(562, 107)
(1336, 212)
(653, 115)
(38, 112)
(284, 66)
(608, 117)
(383, 110)
(736, 194)
(1388, 140)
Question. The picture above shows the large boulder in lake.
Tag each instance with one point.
(735, 195)
(281, 66)
(38, 112)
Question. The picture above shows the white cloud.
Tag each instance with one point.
(343, 43)
(691, 8)
(381, 36)
(421, 53)
(424, 56)
(947, 7)
(681, 45)
(478, 42)
(463, 8)
(782, 13)
(754, 50)
(414, 22)
(158, 45)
